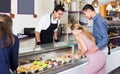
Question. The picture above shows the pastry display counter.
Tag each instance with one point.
(48, 59)
(114, 34)
(62, 53)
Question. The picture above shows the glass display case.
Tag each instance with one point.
(114, 34)
(48, 59)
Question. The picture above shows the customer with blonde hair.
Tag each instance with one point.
(87, 46)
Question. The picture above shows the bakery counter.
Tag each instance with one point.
(26, 44)
(49, 59)
(45, 57)
(58, 58)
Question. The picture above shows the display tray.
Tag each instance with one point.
(44, 64)
(41, 69)
(67, 67)
(52, 70)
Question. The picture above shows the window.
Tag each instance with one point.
(5, 6)
(25, 6)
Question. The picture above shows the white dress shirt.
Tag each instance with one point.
(44, 23)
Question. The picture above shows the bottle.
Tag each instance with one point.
(63, 4)
(60, 3)
(62, 29)
(55, 3)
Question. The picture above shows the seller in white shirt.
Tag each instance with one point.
(46, 30)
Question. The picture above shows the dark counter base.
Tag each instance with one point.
(116, 71)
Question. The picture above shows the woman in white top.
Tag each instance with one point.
(46, 30)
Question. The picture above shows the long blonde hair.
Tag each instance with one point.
(84, 30)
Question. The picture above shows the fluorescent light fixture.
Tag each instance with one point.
(109, 7)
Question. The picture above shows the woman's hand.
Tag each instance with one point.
(77, 56)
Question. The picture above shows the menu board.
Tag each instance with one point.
(5, 6)
(25, 6)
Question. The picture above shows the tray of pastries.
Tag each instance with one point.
(39, 66)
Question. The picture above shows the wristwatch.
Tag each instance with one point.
(56, 40)
(38, 43)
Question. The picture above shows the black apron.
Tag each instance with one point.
(46, 36)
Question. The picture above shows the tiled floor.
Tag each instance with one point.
(116, 71)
